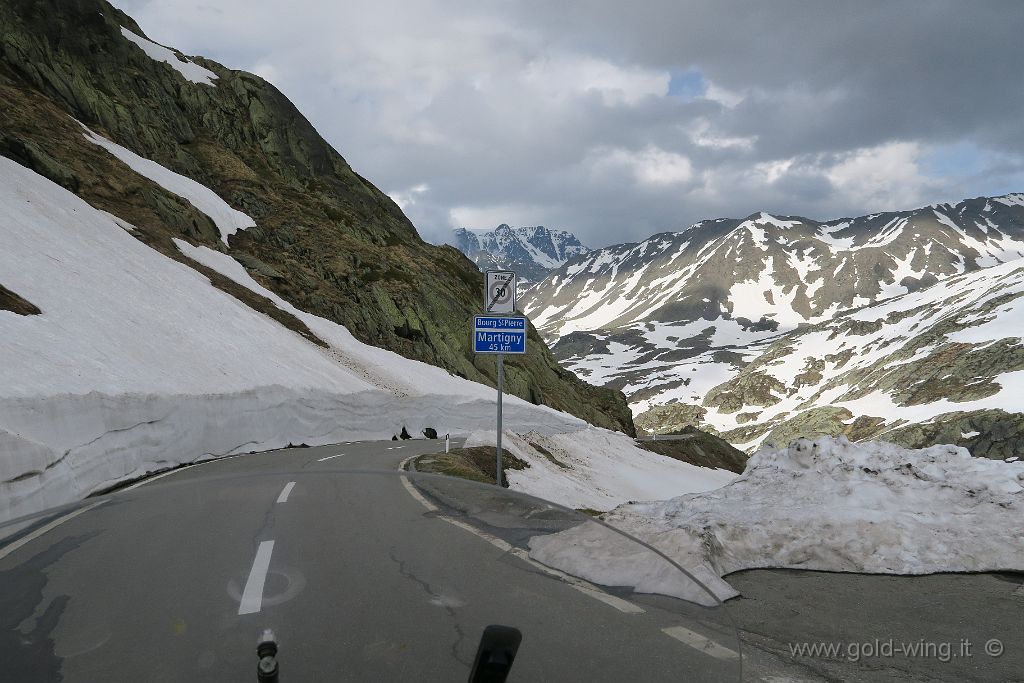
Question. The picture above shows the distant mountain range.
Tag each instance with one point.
(531, 252)
(686, 323)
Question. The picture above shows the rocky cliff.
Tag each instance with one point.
(325, 239)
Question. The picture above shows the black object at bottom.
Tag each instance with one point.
(494, 657)
(266, 650)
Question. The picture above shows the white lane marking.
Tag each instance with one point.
(252, 596)
(584, 587)
(416, 494)
(331, 456)
(700, 643)
(7, 550)
(158, 476)
(285, 492)
(412, 489)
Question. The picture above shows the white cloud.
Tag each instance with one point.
(562, 76)
(407, 198)
(650, 166)
(724, 96)
(703, 134)
(886, 177)
(486, 217)
(541, 113)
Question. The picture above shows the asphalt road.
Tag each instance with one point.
(941, 627)
(174, 579)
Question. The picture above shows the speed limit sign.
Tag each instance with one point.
(500, 291)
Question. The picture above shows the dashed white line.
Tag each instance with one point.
(285, 492)
(43, 529)
(331, 456)
(252, 596)
(699, 642)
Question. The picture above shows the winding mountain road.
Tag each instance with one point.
(174, 579)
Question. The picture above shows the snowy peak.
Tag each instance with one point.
(675, 321)
(778, 271)
(532, 252)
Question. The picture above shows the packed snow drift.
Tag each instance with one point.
(832, 505)
(597, 469)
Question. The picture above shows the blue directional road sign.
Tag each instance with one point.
(496, 334)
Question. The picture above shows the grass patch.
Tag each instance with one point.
(9, 301)
(547, 454)
(476, 464)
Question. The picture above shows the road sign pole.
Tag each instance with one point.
(501, 382)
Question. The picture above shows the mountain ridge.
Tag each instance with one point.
(530, 251)
(325, 238)
(669, 319)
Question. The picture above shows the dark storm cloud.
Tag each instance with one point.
(617, 120)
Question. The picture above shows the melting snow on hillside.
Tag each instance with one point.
(830, 505)
(900, 322)
(190, 70)
(228, 220)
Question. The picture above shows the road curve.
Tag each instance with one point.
(174, 578)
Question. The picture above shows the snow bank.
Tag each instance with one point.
(190, 70)
(597, 554)
(137, 362)
(597, 469)
(835, 506)
(60, 448)
(228, 220)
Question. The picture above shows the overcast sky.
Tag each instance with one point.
(617, 120)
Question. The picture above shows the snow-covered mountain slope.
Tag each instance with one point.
(182, 147)
(941, 365)
(136, 362)
(531, 252)
(670, 318)
(776, 272)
